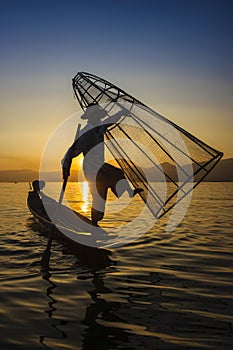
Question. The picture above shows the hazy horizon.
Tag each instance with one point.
(223, 172)
(73, 168)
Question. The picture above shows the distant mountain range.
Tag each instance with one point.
(23, 175)
(223, 172)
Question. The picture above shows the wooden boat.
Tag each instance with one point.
(69, 235)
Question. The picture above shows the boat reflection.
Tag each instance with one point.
(91, 263)
(96, 333)
(56, 322)
(92, 332)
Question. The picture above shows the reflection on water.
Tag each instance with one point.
(95, 273)
(160, 292)
(85, 196)
(51, 311)
(106, 336)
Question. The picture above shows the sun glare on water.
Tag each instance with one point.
(84, 190)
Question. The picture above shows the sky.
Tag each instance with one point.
(175, 56)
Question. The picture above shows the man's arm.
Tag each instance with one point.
(116, 117)
(72, 152)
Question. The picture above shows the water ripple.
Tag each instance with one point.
(163, 291)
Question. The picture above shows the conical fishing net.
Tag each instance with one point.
(154, 153)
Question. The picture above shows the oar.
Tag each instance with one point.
(47, 253)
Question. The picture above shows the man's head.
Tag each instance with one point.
(94, 112)
(38, 185)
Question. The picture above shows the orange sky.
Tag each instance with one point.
(177, 61)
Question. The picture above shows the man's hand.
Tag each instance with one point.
(66, 164)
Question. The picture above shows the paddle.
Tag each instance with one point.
(47, 253)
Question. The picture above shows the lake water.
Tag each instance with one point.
(160, 292)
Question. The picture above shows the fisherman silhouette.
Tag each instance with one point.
(100, 175)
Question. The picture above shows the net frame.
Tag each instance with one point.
(89, 88)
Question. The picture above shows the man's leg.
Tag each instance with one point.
(96, 216)
(118, 182)
(99, 194)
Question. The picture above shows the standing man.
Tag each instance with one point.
(100, 175)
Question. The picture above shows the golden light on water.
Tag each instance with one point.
(84, 190)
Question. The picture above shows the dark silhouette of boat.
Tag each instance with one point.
(73, 237)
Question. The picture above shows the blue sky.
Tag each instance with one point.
(176, 56)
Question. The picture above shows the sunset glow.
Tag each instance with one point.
(178, 61)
